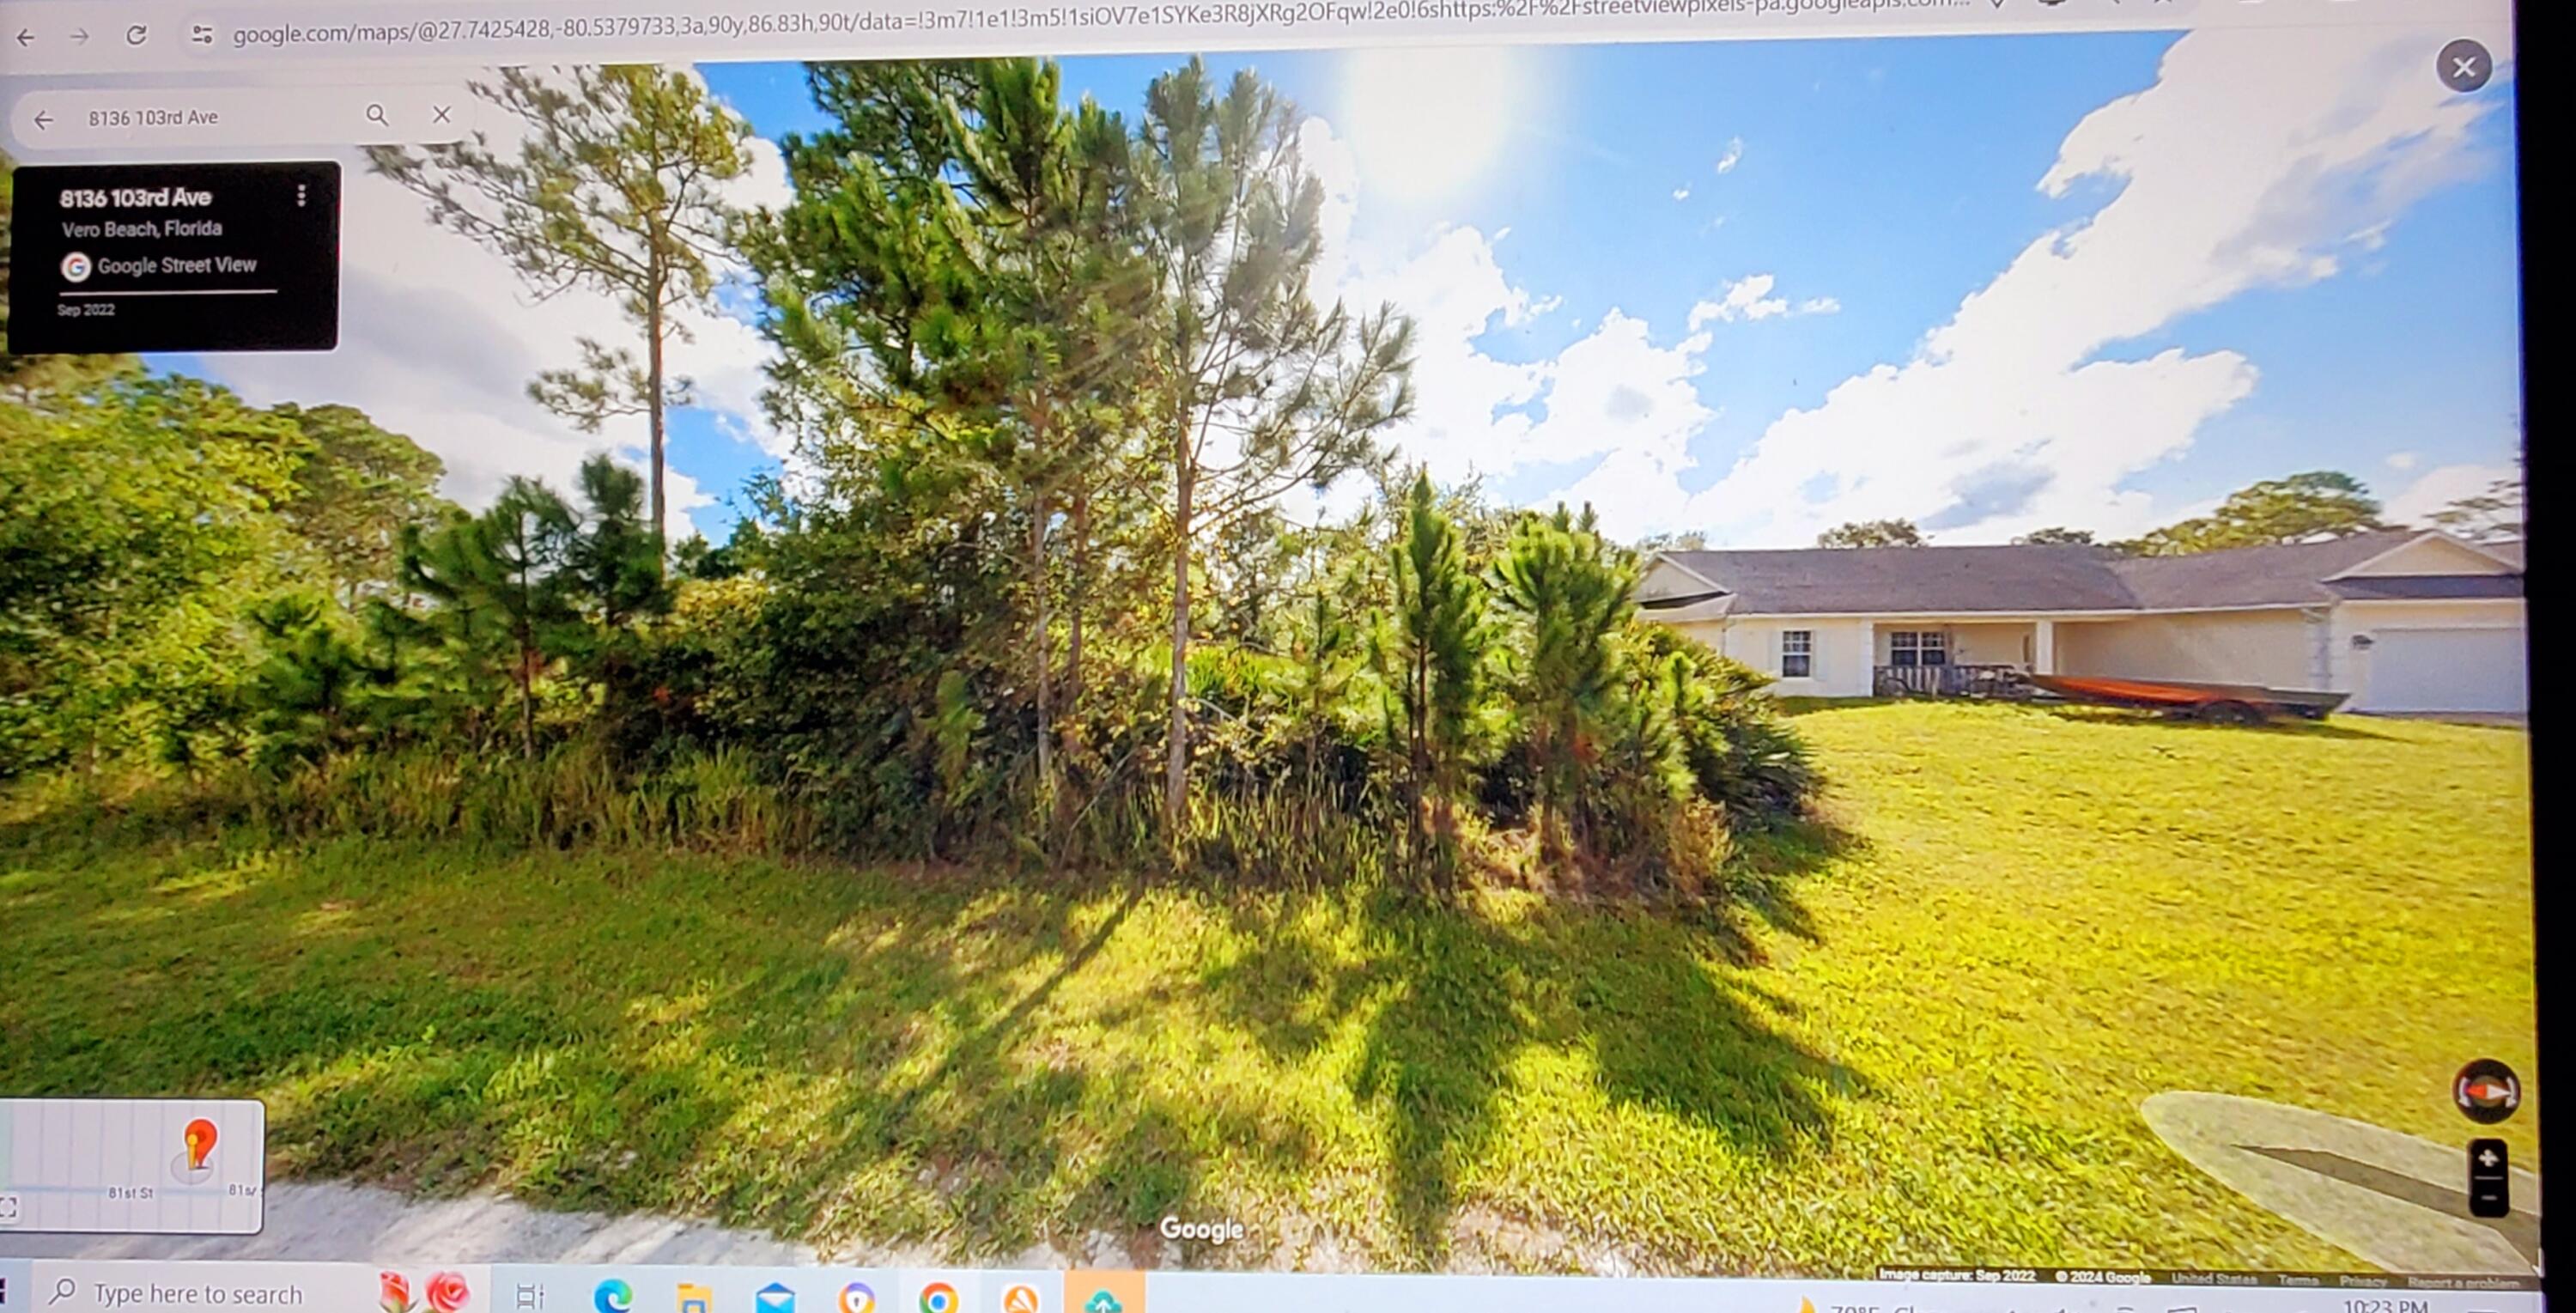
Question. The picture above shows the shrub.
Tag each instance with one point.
(1742, 755)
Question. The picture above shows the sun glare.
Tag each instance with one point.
(1426, 122)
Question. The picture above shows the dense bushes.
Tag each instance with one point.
(1433, 690)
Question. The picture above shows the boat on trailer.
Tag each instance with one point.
(2228, 704)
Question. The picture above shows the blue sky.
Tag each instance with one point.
(1894, 178)
(1753, 289)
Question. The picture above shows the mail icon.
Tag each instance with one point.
(774, 1298)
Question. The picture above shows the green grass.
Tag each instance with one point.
(1923, 1041)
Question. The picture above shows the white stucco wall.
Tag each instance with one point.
(1842, 652)
(2274, 648)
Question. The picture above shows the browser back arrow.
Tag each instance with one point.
(44, 120)
(26, 37)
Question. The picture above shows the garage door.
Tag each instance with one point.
(2446, 670)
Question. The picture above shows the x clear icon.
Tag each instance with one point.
(2465, 66)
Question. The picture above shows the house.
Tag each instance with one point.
(2404, 620)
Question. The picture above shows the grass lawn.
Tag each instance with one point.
(1927, 1043)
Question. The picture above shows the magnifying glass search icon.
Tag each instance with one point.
(376, 114)
(63, 1290)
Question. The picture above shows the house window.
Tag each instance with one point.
(1918, 647)
(1797, 653)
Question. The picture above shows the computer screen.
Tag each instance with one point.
(1786, 656)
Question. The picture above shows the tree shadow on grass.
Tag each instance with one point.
(986, 1042)
(846, 1055)
(1451, 998)
(1634, 990)
(1771, 865)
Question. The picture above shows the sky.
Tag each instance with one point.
(1745, 290)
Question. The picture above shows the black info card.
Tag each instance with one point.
(175, 257)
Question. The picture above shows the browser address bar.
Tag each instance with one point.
(96, 37)
(598, 30)
(69, 37)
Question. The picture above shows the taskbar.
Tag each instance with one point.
(2183, 1278)
(226, 1286)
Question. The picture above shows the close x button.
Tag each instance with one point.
(2490, 1179)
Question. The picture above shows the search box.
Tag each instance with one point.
(89, 119)
(127, 1286)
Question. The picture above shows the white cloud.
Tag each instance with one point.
(1337, 170)
(1456, 293)
(1613, 397)
(1733, 155)
(2256, 160)
(2439, 487)
(1615, 394)
(1750, 299)
(439, 338)
(1681, 193)
(2402, 460)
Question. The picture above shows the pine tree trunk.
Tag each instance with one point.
(1542, 781)
(1038, 642)
(653, 369)
(527, 703)
(1079, 604)
(1176, 766)
(1418, 730)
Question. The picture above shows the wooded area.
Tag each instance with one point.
(1031, 589)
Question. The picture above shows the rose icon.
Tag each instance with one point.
(446, 1292)
(393, 1294)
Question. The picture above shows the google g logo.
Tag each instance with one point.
(613, 1296)
(938, 1297)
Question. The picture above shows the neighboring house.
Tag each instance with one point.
(2404, 620)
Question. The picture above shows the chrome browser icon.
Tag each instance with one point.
(613, 1296)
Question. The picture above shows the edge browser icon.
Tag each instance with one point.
(613, 1296)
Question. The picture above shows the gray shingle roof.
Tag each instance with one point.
(2290, 575)
(1970, 580)
(2426, 587)
(1837, 580)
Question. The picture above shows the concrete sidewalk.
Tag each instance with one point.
(328, 1222)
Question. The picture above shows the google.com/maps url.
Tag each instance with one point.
(1072, 14)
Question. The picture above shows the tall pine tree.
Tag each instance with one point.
(1438, 643)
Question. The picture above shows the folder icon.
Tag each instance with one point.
(696, 1299)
